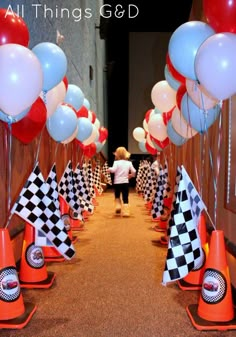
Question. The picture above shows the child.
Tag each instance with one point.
(123, 170)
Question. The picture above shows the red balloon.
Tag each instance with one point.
(82, 112)
(179, 95)
(65, 81)
(69, 106)
(147, 115)
(90, 150)
(162, 144)
(167, 115)
(13, 29)
(94, 116)
(103, 134)
(220, 15)
(151, 149)
(180, 78)
(32, 124)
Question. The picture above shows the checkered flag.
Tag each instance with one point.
(35, 206)
(166, 183)
(40, 238)
(97, 178)
(106, 174)
(142, 175)
(67, 190)
(158, 202)
(82, 190)
(184, 247)
(88, 174)
(150, 184)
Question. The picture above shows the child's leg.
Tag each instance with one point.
(125, 197)
(117, 192)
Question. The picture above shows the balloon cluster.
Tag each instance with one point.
(35, 91)
(199, 75)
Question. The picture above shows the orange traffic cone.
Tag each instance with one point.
(193, 281)
(33, 272)
(68, 217)
(51, 254)
(215, 310)
(14, 313)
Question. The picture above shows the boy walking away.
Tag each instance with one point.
(123, 170)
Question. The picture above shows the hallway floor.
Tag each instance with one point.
(112, 288)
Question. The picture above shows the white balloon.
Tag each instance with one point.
(163, 96)
(139, 134)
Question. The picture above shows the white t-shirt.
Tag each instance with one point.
(122, 169)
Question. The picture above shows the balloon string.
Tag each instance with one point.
(9, 170)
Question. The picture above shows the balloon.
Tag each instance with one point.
(62, 124)
(74, 96)
(85, 128)
(72, 137)
(93, 137)
(184, 44)
(21, 78)
(176, 75)
(82, 112)
(92, 116)
(174, 137)
(157, 127)
(13, 119)
(152, 150)
(199, 95)
(163, 96)
(32, 124)
(215, 65)
(53, 62)
(139, 134)
(86, 103)
(179, 95)
(167, 116)
(142, 146)
(173, 83)
(65, 81)
(13, 28)
(181, 126)
(53, 97)
(99, 146)
(160, 145)
(220, 15)
(199, 119)
(90, 150)
(103, 134)
(148, 114)
(97, 123)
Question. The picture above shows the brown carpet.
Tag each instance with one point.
(112, 288)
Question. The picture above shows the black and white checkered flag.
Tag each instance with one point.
(40, 238)
(35, 206)
(97, 178)
(184, 247)
(82, 190)
(158, 202)
(67, 190)
(106, 174)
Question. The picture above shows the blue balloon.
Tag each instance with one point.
(173, 83)
(74, 96)
(53, 62)
(62, 123)
(13, 119)
(198, 119)
(99, 146)
(142, 146)
(86, 103)
(184, 44)
(85, 128)
(174, 137)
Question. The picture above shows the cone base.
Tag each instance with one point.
(184, 285)
(202, 324)
(39, 285)
(159, 229)
(163, 240)
(20, 321)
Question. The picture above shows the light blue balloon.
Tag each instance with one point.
(142, 146)
(198, 119)
(53, 62)
(13, 119)
(86, 103)
(173, 83)
(85, 128)
(174, 137)
(99, 146)
(184, 44)
(74, 96)
(62, 123)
